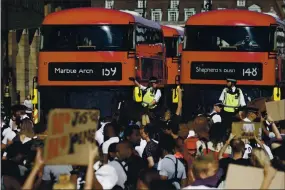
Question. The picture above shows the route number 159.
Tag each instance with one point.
(249, 72)
(107, 72)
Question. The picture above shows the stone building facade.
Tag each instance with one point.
(176, 12)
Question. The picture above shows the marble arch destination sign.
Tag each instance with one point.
(70, 131)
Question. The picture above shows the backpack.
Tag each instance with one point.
(128, 185)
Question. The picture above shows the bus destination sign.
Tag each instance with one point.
(76, 71)
(222, 70)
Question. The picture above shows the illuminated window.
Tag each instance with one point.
(156, 15)
(173, 16)
(189, 12)
(109, 4)
(174, 4)
(254, 8)
(140, 4)
(241, 3)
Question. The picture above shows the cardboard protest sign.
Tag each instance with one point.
(70, 131)
(247, 129)
(243, 177)
(276, 110)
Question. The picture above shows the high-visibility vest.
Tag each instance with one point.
(35, 116)
(231, 100)
(148, 98)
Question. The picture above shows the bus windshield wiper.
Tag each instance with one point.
(228, 47)
(86, 47)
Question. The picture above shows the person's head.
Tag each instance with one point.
(161, 184)
(191, 145)
(169, 127)
(27, 128)
(167, 145)
(132, 134)
(218, 107)
(124, 150)
(112, 151)
(109, 131)
(231, 82)
(147, 132)
(167, 115)
(204, 167)
(238, 146)
(278, 161)
(28, 97)
(217, 134)
(153, 81)
(252, 114)
(247, 38)
(259, 158)
(17, 152)
(146, 176)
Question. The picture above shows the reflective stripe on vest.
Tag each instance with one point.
(148, 99)
(231, 101)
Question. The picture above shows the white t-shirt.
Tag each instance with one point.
(99, 137)
(140, 148)
(9, 135)
(55, 171)
(107, 176)
(107, 143)
(198, 187)
(248, 150)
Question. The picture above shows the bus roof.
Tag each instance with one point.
(90, 15)
(171, 31)
(231, 18)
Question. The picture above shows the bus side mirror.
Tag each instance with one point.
(280, 38)
(137, 94)
(276, 94)
(175, 97)
(35, 96)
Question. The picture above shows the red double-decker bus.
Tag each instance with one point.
(88, 54)
(173, 37)
(246, 45)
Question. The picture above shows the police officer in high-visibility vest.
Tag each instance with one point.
(152, 94)
(233, 100)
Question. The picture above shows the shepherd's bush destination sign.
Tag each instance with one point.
(222, 70)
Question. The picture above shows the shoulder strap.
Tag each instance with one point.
(176, 167)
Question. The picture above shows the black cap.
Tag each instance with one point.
(221, 105)
(252, 110)
(153, 80)
(19, 107)
(231, 80)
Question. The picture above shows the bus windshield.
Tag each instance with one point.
(86, 37)
(229, 38)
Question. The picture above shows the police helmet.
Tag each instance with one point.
(232, 80)
(153, 80)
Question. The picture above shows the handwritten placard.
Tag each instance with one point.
(247, 130)
(70, 131)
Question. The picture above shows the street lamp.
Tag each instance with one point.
(283, 6)
(144, 7)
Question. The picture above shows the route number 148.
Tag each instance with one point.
(249, 72)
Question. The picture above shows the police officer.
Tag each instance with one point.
(215, 116)
(233, 100)
(152, 94)
(232, 97)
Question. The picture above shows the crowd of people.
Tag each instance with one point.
(149, 153)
